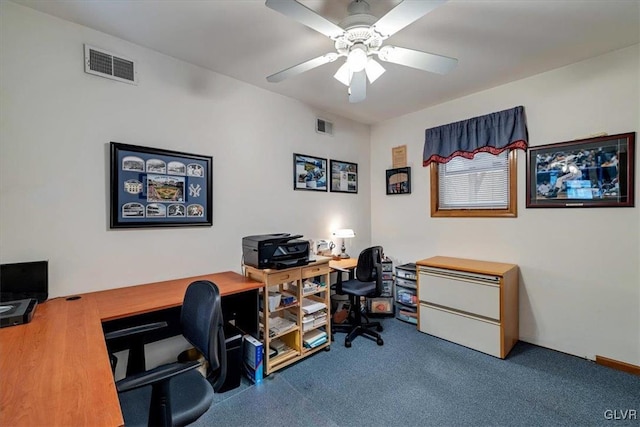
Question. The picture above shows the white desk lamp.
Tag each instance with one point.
(344, 233)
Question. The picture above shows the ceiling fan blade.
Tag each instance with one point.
(301, 68)
(417, 59)
(306, 16)
(358, 88)
(404, 14)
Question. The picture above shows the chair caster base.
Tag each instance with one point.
(379, 341)
(379, 328)
(347, 343)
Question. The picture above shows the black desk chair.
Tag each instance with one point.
(177, 394)
(133, 339)
(367, 283)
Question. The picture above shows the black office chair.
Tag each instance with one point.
(367, 283)
(177, 394)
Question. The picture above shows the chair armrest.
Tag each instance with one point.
(161, 373)
(134, 330)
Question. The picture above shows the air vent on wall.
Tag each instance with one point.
(105, 64)
(323, 126)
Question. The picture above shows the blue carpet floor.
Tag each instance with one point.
(418, 380)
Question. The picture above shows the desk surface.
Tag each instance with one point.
(132, 300)
(346, 263)
(56, 370)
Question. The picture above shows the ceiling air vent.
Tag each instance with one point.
(105, 64)
(323, 126)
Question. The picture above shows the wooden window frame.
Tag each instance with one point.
(510, 212)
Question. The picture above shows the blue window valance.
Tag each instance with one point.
(493, 133)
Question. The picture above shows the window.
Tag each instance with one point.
(484, 186)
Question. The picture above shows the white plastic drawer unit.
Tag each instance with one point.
(475, 294)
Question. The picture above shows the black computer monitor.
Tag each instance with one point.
(24, 280)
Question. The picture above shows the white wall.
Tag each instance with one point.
(580, 275)
(56, 124)
(580, 268)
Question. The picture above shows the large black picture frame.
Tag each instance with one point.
(591, 172)
(151, 187)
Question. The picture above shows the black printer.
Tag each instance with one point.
(277, 251)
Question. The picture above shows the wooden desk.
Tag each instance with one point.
(346, 263)
(132, 300)
(56, 371)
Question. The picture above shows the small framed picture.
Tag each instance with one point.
(399, 181)
(309, 173)
(344, 177)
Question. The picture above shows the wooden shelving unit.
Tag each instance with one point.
(291, 283)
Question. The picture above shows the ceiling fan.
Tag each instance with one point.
(359, 37)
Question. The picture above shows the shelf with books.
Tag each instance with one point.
(313, 339)
(288, 351)
(305, 293)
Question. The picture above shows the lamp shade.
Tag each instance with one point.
(357, 58)
(344, 233)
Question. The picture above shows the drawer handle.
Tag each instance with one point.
(286, 277)
(459, 313)
(464, 279)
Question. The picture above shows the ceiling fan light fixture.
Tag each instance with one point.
(357, 58)
(373, 70)
(343, 75)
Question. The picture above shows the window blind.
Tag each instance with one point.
(478, 183)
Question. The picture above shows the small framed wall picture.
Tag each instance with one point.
(309, 173)
(344, 177)
(399, 181)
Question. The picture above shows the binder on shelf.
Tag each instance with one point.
(316, 343)
(314, 338)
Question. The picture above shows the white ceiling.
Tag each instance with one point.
(495, 41)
